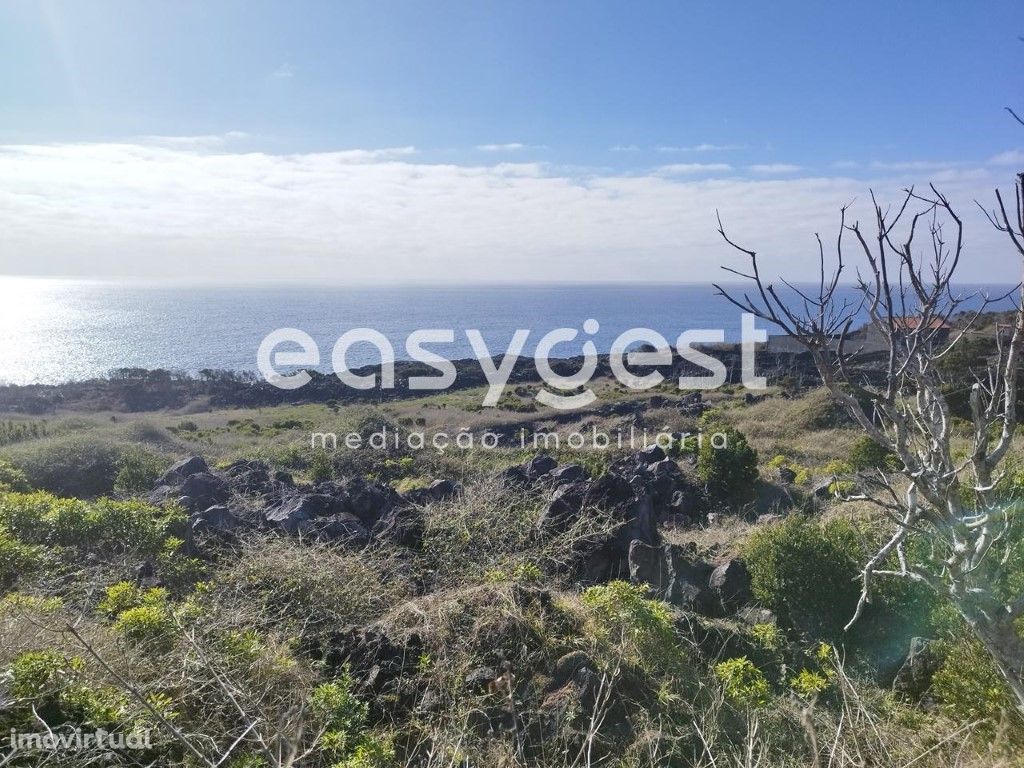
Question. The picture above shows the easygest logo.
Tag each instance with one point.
(560, 391)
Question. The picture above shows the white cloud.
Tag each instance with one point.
(625, 148)
(209, 141)
(774, 168)
(688, 169)
(378, 215)
(702, 148)
(511, 147)
(912, 165)
(1011, 157)
(367, 155)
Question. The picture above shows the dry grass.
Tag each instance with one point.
(803, 429)
(722, 540)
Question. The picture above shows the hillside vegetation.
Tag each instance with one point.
(249, 600)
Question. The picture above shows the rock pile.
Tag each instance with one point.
(609, 524)
(354, 512)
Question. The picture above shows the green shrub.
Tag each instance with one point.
(12, 478)
(105, 525)
(836, 467)
(138, 471)
(509, 401)
(16, 431)
(320, 468)
(124, 596)
(53, 686)
(806, 572)
(809, 684)
(621, 612)
(527, 573)
(120, 597)
(369, 420)
(968, 684)
(523, 573)
(729, 471)
(767, 636)
(285, 424)
(19, 601)
(241, 646)
(372, 752)
(177, 570)
(842, 488)
(36, 674)
(16, 559)
(407, 484)
(142, 615)
(391, 470)
(81, 466)
(867, 454)
(743, 683)
(341, 715)
(149, 623)
(815, 410)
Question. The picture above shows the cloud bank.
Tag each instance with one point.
(193, 210)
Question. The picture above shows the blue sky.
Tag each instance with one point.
(586, 93)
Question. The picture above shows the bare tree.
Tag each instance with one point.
(948, 506)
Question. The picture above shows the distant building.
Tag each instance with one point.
(865, 340)
(939, 330)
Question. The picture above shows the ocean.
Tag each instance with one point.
(56, 330)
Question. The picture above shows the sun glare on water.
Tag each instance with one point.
(32, 316)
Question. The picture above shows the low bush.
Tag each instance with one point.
(806, 572)
(50, 686)
(729, 471)
(17, 431)
(743, 683)
(320, 468)
(342, 714)
(808, 684)
(105, 525)
(767, 636)
(141, 615)
(621, 612)
(124, 596)
(12, 478)
(16, 559)
(77, 465)
(179, 572)
(137, 471)
(867, 454)
(150, 624)
(968, 684)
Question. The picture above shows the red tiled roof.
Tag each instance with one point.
(912, 323)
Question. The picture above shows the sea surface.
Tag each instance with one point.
(55, 330)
